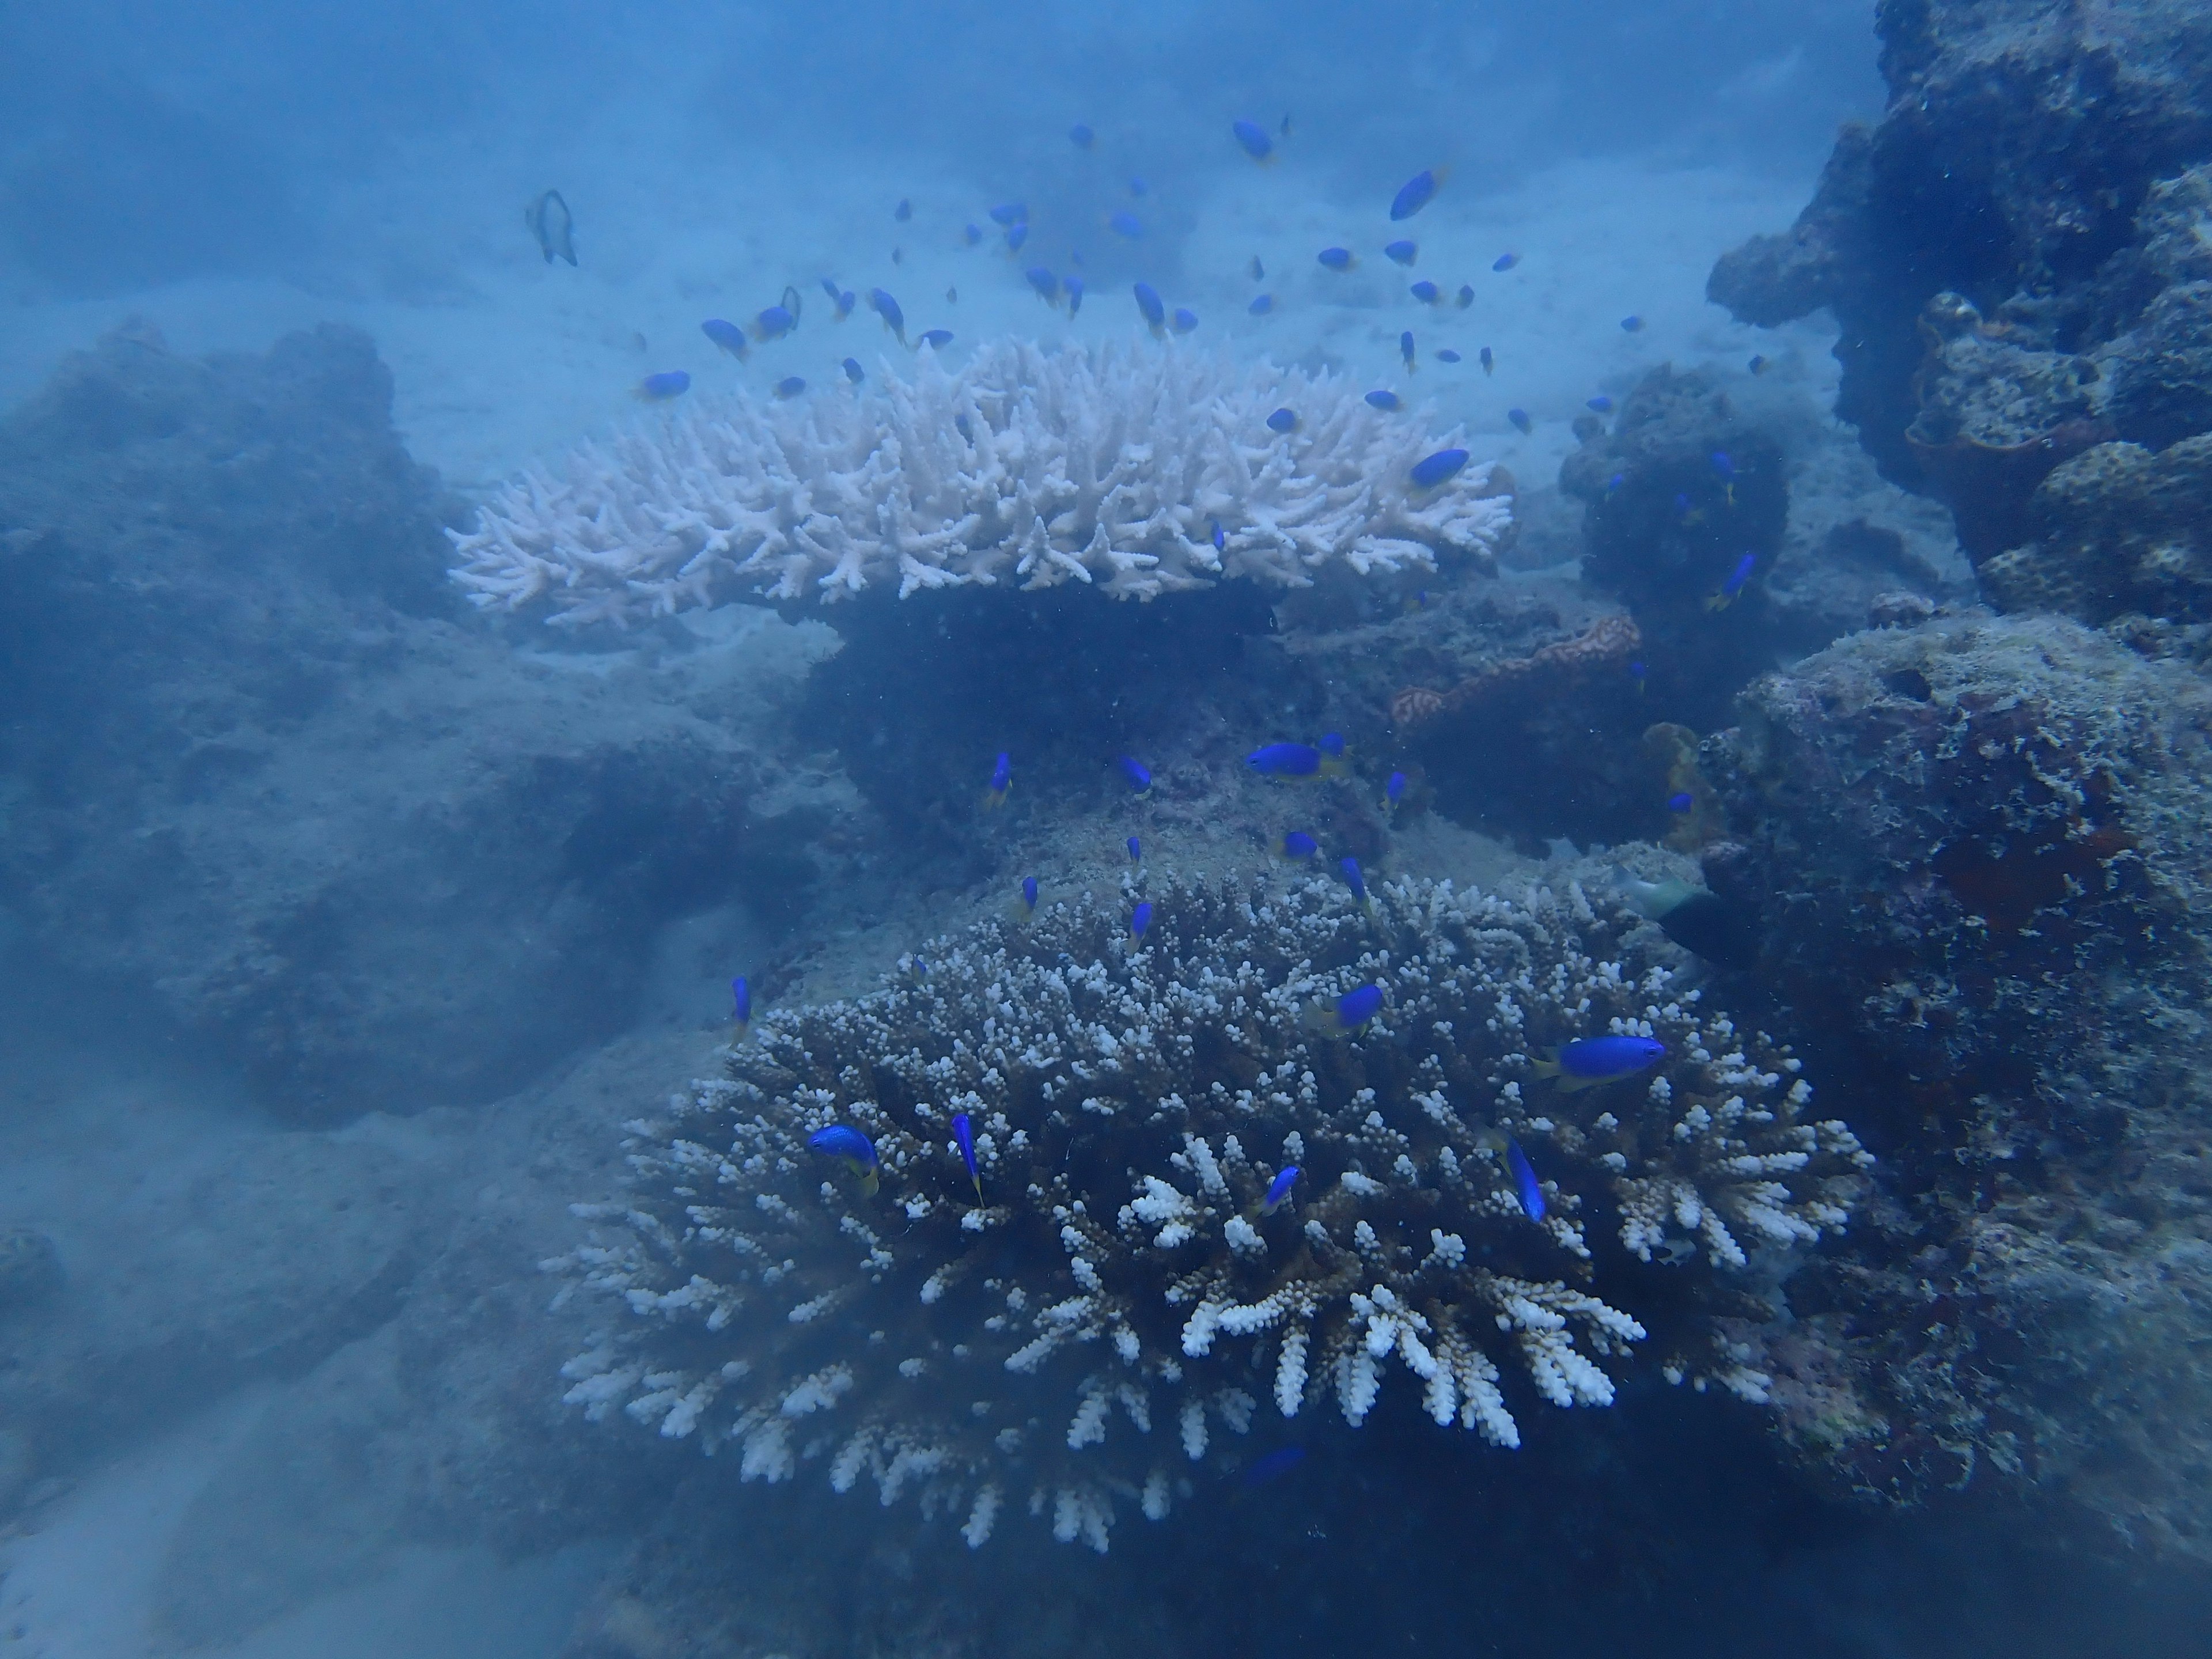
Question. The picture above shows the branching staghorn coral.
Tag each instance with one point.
(1025, 466)
(1119, 1294)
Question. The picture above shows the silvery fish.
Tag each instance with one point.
(554, 226)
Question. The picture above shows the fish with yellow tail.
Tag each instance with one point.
(1341, 1016)
(1002, 779)
(963, 1137)
(851, 1148)
(1590, 1062)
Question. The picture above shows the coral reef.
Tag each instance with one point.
(1677, 496)
(1110, 1297)
(2014, 252)
(1112, 468)
(2114, 530)
(1606, 647)
(1982, 847)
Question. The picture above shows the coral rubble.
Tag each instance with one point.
(1110, 1298)
(1113, 468)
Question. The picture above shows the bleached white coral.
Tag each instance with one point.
(1109, 466)
(1124, 1277)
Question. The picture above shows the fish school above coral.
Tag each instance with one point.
(1091, 1199)
(1142, 471)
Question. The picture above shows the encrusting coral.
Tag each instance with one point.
(1077, 1321)
(1111, 467)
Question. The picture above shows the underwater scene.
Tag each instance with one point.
(979, 831)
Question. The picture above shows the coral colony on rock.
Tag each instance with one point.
(1107, 467)
(1097, 1311)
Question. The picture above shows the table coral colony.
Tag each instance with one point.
(1105, 1304)
(1141, 471)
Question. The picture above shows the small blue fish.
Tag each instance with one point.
(1505, 262)
(1254, 138)
(1139, 919)
(1002, 778)
(971, 234)
(1016, 235)
(1136, 850)
(1734, 585)
(888, 308)
(1153, 308)
(854, 372)
(1757, 365)
(1681, 801)
(1353, 879)
(1615, 482)
(1723, 466)
(790, 386)
(1074, 287)
(1489, 362)
(1184, 320)
(1522, 424)
(1285, 760)
(1416, 193)
(1217, 535)
(1589, 1062)
(1139, 774)
(1401, 252)
(1030, 891)
(903, 211)
(853, 1148)
(1046, 284)
(964, 1137)
(1524, 1181)
(1635, 673)
(1125, 223)
(1349, 1011)
(1632, 325)
(1010, 213)
(660, 388)
(960, 424)
(829, 289)
(741, 1006)
(1446, 355)
(1282, 421)
(1137, 187)
(1081, 136)
(1258, 270)
(1336, 258)
(1332, 745)
(1278, 1189)
(1389, 402)
(1466, 295)
(773, 323)
(1440, 468)
(1298, 846)
(1426, 292)
(1602, 403)
(726, 335)
(1406, 350)
(1394, 791)
(845, 300)
(1274, 1466)
(1682, 506)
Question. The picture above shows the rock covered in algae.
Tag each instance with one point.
(1105, 1305)
(1983, 847)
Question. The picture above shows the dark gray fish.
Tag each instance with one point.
(554, 226)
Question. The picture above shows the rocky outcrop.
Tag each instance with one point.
(1980, 849)
(2013, 251)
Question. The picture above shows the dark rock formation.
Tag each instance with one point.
(2011, 250)
(1981, 849)
(1675, 495)
(251, 770)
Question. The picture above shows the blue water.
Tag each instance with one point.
(344, 927)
